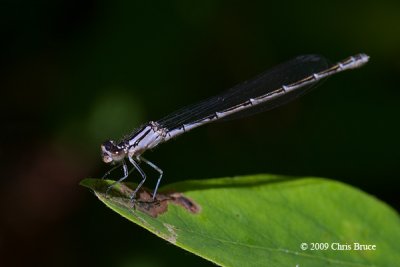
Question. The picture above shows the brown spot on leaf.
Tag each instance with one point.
(185, 202)
(144, 202)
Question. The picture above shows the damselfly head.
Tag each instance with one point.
(111, 152)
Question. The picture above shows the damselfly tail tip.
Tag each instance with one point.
(360, 59)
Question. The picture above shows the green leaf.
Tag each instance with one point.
(263, 220)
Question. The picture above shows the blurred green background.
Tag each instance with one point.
(74, 73)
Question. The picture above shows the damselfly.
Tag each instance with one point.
(268, 90)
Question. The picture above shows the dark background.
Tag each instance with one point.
(74, 73)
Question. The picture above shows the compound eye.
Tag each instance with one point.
(108, 145)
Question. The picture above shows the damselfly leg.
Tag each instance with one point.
(156, 168)
(110, 171)
(126, 174)
(142, 173)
